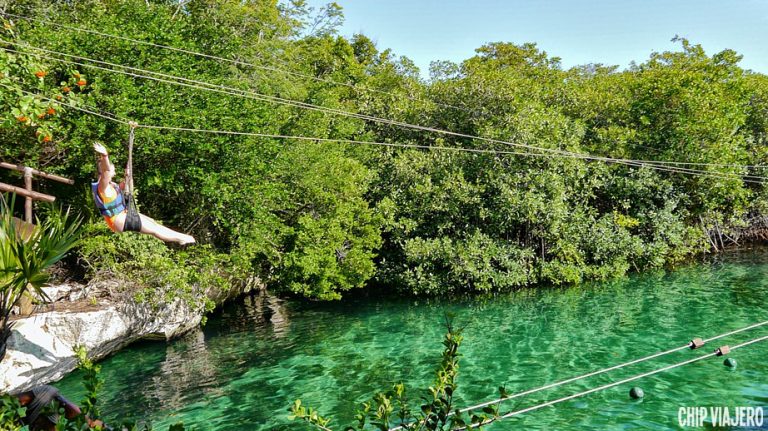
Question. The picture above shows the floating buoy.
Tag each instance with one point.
(722, 351)
(730, 363)
(636, 393)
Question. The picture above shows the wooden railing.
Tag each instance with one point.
(29, 194)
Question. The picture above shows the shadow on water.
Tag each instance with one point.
(243, 370)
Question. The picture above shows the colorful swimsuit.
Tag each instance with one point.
(110, 202)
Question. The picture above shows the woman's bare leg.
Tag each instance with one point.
(151, 227)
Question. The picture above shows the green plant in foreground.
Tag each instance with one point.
(93, 383)
(391, 409)
(25, 254)
(11, 413)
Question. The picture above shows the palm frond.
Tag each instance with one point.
(26, 255)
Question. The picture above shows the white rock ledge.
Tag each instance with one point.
(41, 347)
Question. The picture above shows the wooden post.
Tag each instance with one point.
(28, 199)
(27, 192)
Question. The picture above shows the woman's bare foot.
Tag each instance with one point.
(186, 239)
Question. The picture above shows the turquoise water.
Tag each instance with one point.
(245, 368)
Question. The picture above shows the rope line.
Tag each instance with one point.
(202, 85)
(745, 178)
(112, 117)
(257, 96)
(238, 62)
(349, 141)
(598, 372)
(608, 386)
(615, 367)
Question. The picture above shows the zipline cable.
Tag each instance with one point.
(257, 96)
(238, 62)
(114, 118)
(202, 85)
(602, 371)
(387, 144)
(608, 386)
(347, 141)
(745, 178)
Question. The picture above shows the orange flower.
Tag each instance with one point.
(41, 73)
(82, 82)
(66, 89)
(47, 138)
(41, 116)
(21, 118)
(50, 111)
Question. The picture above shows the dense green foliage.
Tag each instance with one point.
(321, 218)
(145, 271)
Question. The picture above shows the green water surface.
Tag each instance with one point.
(245, 368)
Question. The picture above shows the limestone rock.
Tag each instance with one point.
(41, 347)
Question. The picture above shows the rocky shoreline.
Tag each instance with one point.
(42, 346)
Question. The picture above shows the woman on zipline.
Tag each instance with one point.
(119, 212)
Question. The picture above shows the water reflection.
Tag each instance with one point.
(257, 312)
(189, 367)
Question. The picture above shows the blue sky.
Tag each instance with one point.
(578, 31)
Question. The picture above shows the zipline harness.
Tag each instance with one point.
(132, 218)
